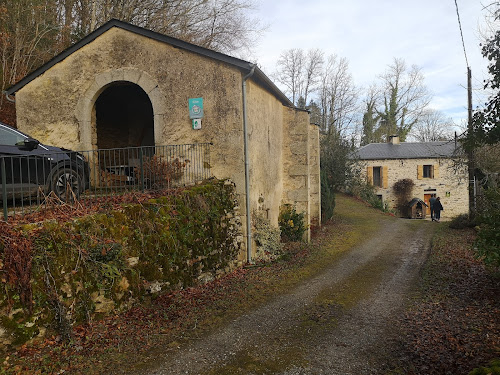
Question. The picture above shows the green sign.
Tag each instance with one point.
(195, 108)
(196, 123)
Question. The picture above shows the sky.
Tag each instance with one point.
(371, 33)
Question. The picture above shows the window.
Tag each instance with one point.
(428, 171)
(10, 137)
(377, 176)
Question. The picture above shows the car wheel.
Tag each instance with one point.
(66, 184)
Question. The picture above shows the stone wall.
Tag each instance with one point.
(104, 263)
(265, 140)
(447, 182)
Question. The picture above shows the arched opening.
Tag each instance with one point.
(124, 129)
(124, 117)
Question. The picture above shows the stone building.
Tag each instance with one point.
(123, 85)
(435, 168)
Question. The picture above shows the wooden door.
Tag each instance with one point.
(427, 197)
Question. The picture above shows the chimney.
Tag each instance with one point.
(394, 139)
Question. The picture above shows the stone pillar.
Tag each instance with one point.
(315, 178)
(296, 174)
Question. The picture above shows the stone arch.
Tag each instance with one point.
(85, 110)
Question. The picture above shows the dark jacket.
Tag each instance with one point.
(437, 206)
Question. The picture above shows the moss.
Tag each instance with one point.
(331, 303)
(19, 329)
(493, 368)
(244, 362)
(175, 238)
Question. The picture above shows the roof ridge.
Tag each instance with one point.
(234, 61)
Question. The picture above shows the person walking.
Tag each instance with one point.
(438, 207)
(432, 200)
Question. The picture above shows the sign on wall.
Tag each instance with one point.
(196, 112)
(195, 108)
(196, 123)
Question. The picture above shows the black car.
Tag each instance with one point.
(29, 168)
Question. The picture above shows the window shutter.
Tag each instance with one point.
(385, 183)
(420, 172)
(369, 175)
(436, 171)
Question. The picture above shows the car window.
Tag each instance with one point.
(10, 137)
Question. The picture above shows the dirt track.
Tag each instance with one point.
(340, 322)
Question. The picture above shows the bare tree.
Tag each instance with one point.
(299, 73)
(338, 102)
(338, 96)
(290, 70)
(404, 98)
(432, 126)
(29, 35)
(312, 70)
(222, 25)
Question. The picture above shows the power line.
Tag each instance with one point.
(461, 34)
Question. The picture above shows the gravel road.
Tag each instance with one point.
(340, 322)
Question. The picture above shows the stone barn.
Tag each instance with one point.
(124, 86)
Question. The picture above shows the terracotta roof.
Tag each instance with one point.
(407, 150)
(243, 65)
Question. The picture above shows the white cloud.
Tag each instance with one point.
(371, 33)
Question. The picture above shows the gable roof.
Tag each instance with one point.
(407, 150)
(242, 65)
(414, 201)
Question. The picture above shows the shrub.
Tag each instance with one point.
(366, 192)
(327, 199)
(291, 224)
(403, 190)
(159, 173)
(489, 229)
(461, 222)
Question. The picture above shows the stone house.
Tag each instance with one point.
(435, 168)
(123, 85)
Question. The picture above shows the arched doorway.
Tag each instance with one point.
(124, 117)
(124, 128)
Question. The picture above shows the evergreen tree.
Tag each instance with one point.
(315, 111)
(301, 102)
(486, 122)
(370, 122)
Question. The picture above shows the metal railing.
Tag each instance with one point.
(28, 179)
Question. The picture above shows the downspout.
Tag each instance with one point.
(9, 99)
(247, 165)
